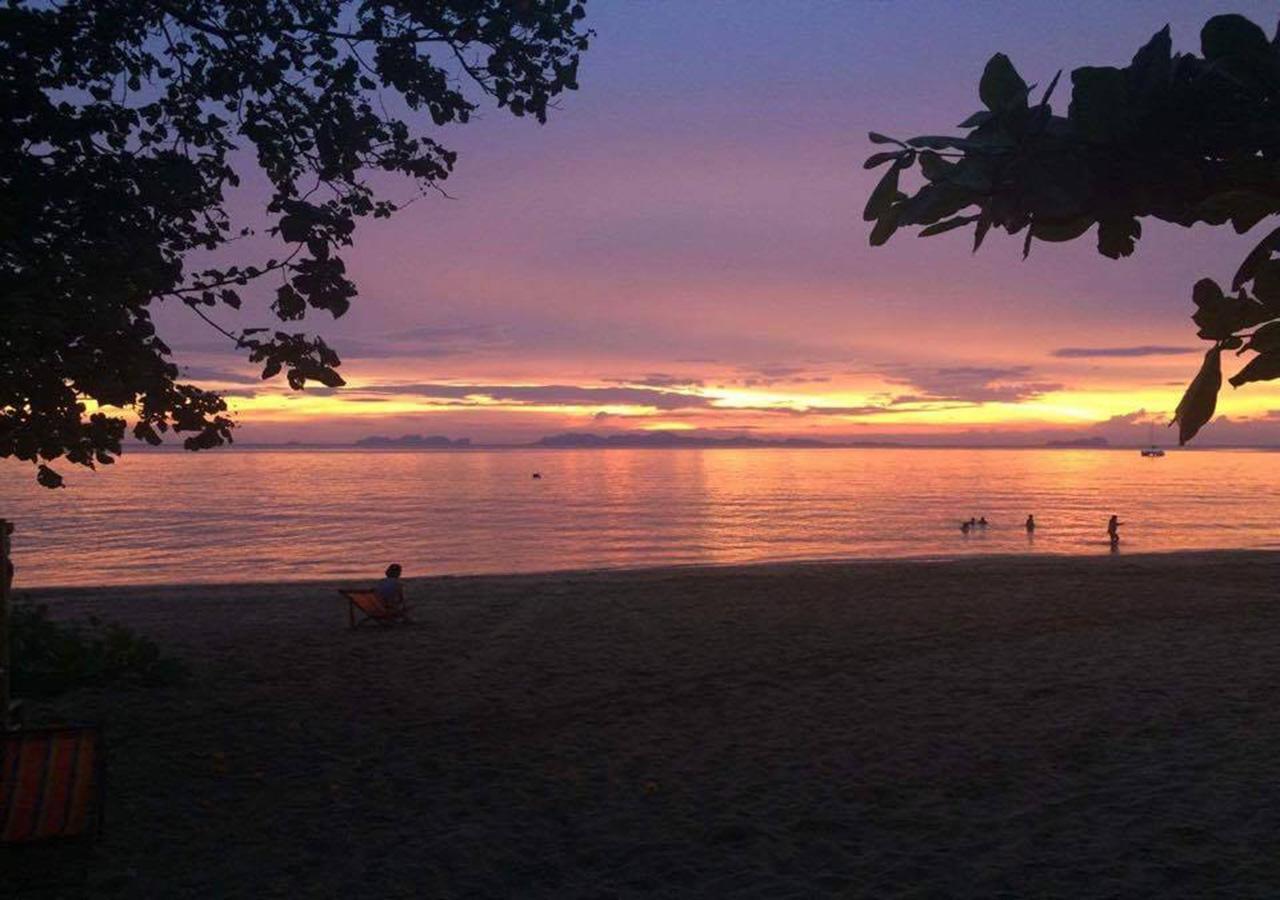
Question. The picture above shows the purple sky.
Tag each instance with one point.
(689, 221)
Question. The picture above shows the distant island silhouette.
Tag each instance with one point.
(585, 440)
(1097, 441)
(412, 440)
(676, 439)
(578, 440)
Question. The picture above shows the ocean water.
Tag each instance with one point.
(251, 515)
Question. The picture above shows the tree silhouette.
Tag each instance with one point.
(1179, 137)
(126, 124)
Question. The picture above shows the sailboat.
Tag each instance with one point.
(1152, 450)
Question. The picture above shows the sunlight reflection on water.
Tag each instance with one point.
(245, 515)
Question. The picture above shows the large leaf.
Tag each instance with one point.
(981, 229)
(879, 159)
(1116, 237)
(1206, 292)
(947, 225)
(886, 191)
(934, 202)
(1266, 284)
(1001, 86)
(1232, 35)
(981, 117)
(1201, 398)
(877, 138)
(305, 370)
(1265, 339)
(1257, 256)
(1263, 367)
(1220, 316)
(48, 478)
(934, 167)
(289, 303)
(884, 228)
(941, 142)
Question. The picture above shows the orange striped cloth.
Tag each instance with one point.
(370, 604)
(50, 783)
(373, 607)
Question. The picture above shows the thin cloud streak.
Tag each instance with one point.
(973, 384)
(538, 394)
(1121, 352)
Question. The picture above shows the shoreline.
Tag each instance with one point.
(973, 559)
(471, 448)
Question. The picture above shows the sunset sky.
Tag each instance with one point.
(681, 247)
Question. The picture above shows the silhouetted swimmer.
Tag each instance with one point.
(982, 523)
(1113, 530)
(391, 592)
(537, 474)
(973, 523)
(1031, 524)
(964, 527)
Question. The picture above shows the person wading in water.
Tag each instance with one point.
(1113, 532)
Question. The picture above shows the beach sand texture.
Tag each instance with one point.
(981, 728)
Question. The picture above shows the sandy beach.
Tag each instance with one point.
(995, 727)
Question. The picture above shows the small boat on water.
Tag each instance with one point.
(1152, 450)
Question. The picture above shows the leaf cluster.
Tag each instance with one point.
(52, 658)
(127, 126)
(1182, 138)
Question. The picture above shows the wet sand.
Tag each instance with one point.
(981, 728)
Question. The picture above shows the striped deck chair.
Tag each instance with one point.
(52, 782)
(372, 609)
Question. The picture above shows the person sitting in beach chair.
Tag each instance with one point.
(384, 603)
(391, 591)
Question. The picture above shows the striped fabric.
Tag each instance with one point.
(370, 604)
(373, 607)
(50, 783)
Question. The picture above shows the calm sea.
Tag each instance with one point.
(248, 515)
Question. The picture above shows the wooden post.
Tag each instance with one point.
(6, 579)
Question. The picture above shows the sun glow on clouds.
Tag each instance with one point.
(813, 402)
(782, 411)
(832, 399)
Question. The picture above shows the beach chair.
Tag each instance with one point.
(371, 609)
(52, 784)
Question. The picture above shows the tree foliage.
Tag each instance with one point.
(52, 657)
(126, 126)
(1182, 138)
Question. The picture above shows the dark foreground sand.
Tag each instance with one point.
(994, 728)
